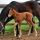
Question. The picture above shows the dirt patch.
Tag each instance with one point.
(10, 36)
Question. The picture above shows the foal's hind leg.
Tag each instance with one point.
(29, 31)
(30, 21)
(33, 26)
(35, 31)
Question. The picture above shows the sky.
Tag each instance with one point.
(8, 1)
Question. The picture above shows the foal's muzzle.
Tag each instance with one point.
(9, 16)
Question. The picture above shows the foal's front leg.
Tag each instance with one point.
(15, 29)
(19, 27)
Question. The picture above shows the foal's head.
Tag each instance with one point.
(12, 12)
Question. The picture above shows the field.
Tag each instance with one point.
(9, 34)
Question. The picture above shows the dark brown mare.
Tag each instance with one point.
(20, 7)
(19, 17)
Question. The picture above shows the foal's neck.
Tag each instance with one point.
(15, 11)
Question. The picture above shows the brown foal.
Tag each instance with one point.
(19, 17)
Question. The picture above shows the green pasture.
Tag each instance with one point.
(9, 27)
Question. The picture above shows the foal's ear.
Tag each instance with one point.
(14, 10)
(9, 7)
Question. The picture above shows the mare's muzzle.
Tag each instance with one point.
(1, 27)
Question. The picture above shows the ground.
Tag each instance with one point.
(10, 36)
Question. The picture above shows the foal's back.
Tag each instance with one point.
(23, 14)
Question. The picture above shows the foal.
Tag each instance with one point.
(19, 17)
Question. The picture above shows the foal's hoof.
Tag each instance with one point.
(28, 34)
(19, 36)
(15, 35)
(36, 35)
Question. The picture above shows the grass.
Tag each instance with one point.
(9, 28)
(24, 27)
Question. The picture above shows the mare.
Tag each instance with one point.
(20, 7)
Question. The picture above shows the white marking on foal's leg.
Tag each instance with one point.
(15, 29)
(14, 32)
(36, 32)
(20, 31)
(29, 32)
